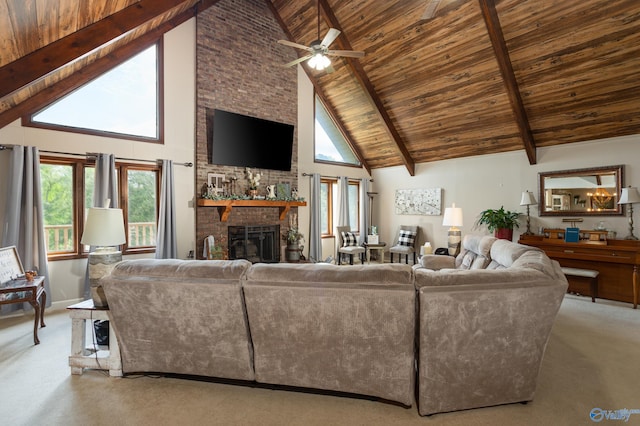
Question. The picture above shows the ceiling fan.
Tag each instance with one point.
(319, 49)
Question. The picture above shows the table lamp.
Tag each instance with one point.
(104, 228)
(528, 200)
(453, 218)
(629, 196)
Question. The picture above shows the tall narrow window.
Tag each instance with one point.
(58, 205)
(141, 207)
(124, 102)
(330, 144)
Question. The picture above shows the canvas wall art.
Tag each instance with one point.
(419, 201)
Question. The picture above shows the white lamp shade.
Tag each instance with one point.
(629, 195)
(104, 227)
(452, 216)
(528, 199)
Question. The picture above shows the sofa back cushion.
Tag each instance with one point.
(339, 328)
(475, 252)
(504, 253)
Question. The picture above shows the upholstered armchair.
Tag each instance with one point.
(348, 244)
(405, 243)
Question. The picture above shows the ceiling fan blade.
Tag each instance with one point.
(292, 44)
(349, 53)
(297, 61)
(330, 37)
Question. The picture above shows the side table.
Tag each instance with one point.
(380, 247)
(21, 290)
(87, 357)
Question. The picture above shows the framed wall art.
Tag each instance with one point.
(426, 202)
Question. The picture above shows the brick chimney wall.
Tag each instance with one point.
(239, 70)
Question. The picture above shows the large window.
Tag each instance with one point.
(330, 145)
(329, 206)
(125, 102)
(67, 194)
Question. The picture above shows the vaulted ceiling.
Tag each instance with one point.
(476, 77)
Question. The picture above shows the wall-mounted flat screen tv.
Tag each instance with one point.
(243, 141)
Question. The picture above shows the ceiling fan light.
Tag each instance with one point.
(319, 62)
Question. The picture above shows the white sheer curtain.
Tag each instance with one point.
(23, 225)
(315, 231)
(105, 187)
(166, 241)
(365, 211)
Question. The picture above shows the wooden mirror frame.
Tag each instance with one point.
(576, 199)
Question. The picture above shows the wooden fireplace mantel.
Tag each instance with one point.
(225, 206)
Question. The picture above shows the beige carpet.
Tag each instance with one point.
(591, 361)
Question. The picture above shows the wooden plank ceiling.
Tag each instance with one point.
(479, 77)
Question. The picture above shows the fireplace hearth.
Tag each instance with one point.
(255, 243)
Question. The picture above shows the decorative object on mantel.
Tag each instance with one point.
(254, 182)
(419, 201)
(501, 222)
(271, 191)
(528, 200)
(453, 219)
(629, 196)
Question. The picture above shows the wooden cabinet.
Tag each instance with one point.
(618, 262)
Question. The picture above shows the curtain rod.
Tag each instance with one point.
(333, 177)
(91, 154)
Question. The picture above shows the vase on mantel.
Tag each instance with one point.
(253, 193)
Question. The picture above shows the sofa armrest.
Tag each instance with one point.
(436, 262)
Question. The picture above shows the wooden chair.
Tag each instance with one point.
(350, 250)
(405, 247)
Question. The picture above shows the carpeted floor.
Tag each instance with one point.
(591, 362)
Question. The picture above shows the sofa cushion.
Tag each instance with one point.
(349, 239)
(475, 252)
(504, 253)
(406, 238)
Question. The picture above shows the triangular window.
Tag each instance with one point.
(123, 102)
(330, 144)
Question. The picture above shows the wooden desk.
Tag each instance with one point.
(618, 262)
(20, 290)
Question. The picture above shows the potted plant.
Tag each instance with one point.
(293, 237)
(501, 222)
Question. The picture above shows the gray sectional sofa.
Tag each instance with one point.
(470, 336)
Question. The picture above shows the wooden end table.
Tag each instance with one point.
(20, 290)
(380, 247)
(82, 357)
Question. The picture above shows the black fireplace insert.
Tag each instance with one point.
(255, 243)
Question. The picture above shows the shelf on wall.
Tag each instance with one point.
(225, 206)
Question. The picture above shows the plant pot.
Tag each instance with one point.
(292, 253)
(504, 234)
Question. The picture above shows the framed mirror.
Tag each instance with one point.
(581, 192)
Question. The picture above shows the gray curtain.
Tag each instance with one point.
(166, 241)
(105, 187)
(365, 211)
(343, 202)
(23, 225)
(315, 232)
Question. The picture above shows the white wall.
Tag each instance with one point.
(67, 277)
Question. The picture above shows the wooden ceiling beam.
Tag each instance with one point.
(39, 63)
(494, 29)
(358, 71)
(91, 71)
(318, 89)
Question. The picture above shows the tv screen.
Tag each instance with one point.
(243, 141)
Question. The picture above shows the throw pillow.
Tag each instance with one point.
(406, 238)
(349, 239)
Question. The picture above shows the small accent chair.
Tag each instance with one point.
(405, 243)
(348, 244)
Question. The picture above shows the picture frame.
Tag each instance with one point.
(426, 202)
(10, 264)
(283, 190)
(215, 183)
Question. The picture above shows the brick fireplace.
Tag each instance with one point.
(254, 85)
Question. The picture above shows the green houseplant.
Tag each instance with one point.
(293, 237)
(501, 222)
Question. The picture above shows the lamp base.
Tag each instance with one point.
(101, 263)
(454, 237)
